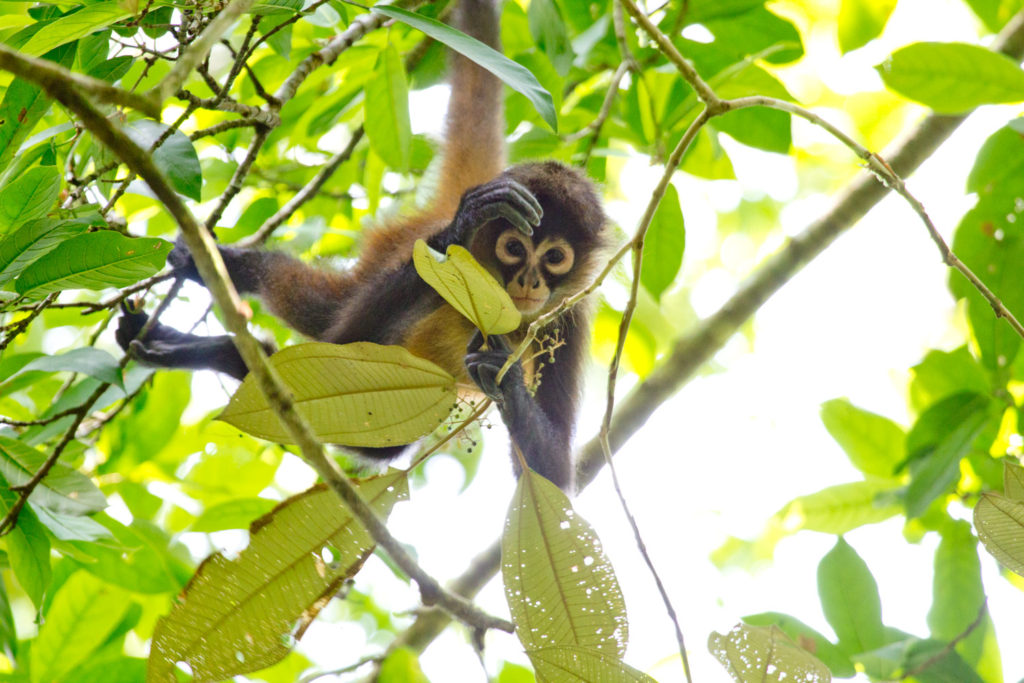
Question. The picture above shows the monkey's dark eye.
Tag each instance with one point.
(515, 248)
(554, 256)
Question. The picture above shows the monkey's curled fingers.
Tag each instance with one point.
(500, 198)
(484, 366)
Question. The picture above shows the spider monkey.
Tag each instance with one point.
(538, 227)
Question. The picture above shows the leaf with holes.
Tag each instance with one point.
(1000, 524)
(359, 394)
(765, 654)
(468, 287)
(96, 260)
(243, 615)
(580, 665)
(560, 587)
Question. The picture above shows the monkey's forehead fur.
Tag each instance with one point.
(569, 197)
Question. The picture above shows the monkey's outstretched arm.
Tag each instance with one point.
(164, 346)
(542, 433)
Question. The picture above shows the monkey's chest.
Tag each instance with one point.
(441, 337)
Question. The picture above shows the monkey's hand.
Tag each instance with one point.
(483, 368)
(180, 259)
(500, 198)
(165, 347)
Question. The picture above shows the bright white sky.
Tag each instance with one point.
(735, 446)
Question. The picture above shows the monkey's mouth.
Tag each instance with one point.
(527, 304)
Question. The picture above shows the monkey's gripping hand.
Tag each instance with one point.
(500, 198)
(543, 439)
(165, 347)
(483, 368)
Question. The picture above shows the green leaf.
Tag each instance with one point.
(70, 527)
(8, 631)
(359, 394)
(701, 11)
(756, 33)
(765, 654)
(762, 128)
(874, 444)
(933, 658)
(29, 196)
(957, 592)
(232, 514)
(849, 598)
(64, 489)
(514, 75)
(119, 670)
(582, 665)
(84, 613)
(87, 360)
(176, 157)
(941, 437)
(842, 508)
(995, 13)
(952, 78)
(550, 33)
(28, 549)
(96, 260)
(112, 69)
(999, 161)
(75, 25)
(560, 587)
(990, 240)
(663, 245)
(23, 106)
(468, 287)
(401, 666)
(242, 615)
(1000, 524)
(386, 110)
(141, 559)
(861, 21)
(32, 240)
(808, 639)
(944, 373)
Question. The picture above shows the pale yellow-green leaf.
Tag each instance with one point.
(243, 615)
(1000, 524)
(468, 287)
(842, 508)
(580, 665)
(359, 394)
(763, 654)
(1013, 480)
(561, 588)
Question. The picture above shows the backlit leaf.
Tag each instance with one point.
(1000, 524)
(243, 615)
(861, 21)
(663, 245)
(468, 287)
(766, 655)
(874, 444)
(560, 587)
(28, 549)
(953, 77)
(582, 665)
(359, 394)
(850, 600)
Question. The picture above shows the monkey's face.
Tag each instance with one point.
(532, 270)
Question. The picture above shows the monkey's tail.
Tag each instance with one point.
(473, 149)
